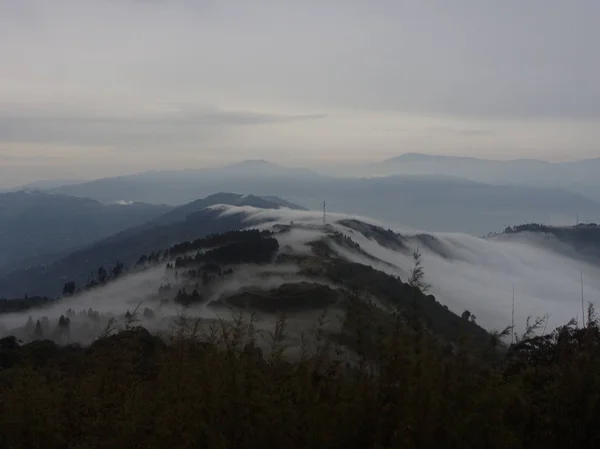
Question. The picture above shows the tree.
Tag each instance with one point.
(466, 315)
(38, 332)
(149, 314)
(118, 269)
(69, 288)
(29, 326)
(102, 275)
(417, 274)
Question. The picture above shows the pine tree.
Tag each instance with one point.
(39, 332)
(417, 274)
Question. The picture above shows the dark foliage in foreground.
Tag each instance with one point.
(133, 390)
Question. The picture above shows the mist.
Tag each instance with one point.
(478, 274)
(465, 273)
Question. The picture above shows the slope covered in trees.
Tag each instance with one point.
(38, 227)
(404, 389)
(185, 223)
(316, 350)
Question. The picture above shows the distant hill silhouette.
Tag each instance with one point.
(36, 224)
(187, 222)
(431, 202)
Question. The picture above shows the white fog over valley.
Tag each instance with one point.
(299, 224)
(465, 273)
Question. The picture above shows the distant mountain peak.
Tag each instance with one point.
(416, 157)
(254, 163)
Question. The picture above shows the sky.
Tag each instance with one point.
(92, 88)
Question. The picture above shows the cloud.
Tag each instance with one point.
(468, 59)
(353, 80)
(68, 125)
(470, 273)
(460, 131)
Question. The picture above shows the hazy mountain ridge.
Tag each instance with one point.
(429, 202)
(577, 176)
(464, 272)
(301, 269)
(580, 241)
(190, 221)
(37, 224)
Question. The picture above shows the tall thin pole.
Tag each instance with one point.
(582, 307)
(324, 213)
(512, 336)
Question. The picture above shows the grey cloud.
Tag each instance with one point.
(461, 131)
(487, 69)
(66, 126)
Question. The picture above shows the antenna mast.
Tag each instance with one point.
(582, 307)
(324, 213)
(512, 336)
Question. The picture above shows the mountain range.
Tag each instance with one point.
(272, 260)
(191, 221)
(36, 224)
(577, 176)
(432, 202)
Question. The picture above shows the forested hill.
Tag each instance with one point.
(582, 239)
(187, 222)
(379, 363)
(36, 225)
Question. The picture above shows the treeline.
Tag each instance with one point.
(21, 304)
(256, 250)
(247, 246)
(101, 277)
(538, 227)
(133, 390)
(215, 240)
(529, 227)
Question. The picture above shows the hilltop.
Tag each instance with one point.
(190, 221)
(36, 225)
(292, 333)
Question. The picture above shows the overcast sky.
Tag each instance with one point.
(114, 86)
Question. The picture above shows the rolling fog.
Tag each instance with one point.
(465, 273)
(478, 274)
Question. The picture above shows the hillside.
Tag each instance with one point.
(575, 176)
(190, 221)
(34, 224)
(465, 273)
(431, 202)
(313, 330)
(582, 240)
(301, 270)
(296, 317)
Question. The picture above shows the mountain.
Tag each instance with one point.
(293, 264)
(183, 186)
(232, 199)
(436, 203)
(281, 260)
(191, 221)
(300, 333)
(576, 176)
(580, 242)
(36, 224)
(428, 202)
(48, 184)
